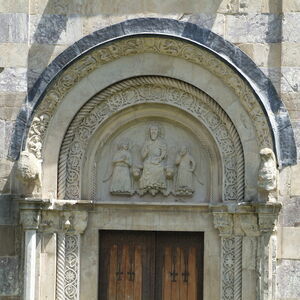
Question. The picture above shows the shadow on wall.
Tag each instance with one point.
(275, 46)
(61, 22)
(48, 28)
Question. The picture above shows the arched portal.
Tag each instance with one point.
(155, 125)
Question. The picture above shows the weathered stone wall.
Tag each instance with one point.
(34, 32)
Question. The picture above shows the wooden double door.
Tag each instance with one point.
(138, 265)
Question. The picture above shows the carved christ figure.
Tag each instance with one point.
(186, 166)
(120, 179)
(153, 153)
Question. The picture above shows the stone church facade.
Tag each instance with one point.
(150, 150)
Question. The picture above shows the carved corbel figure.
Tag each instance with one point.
(267, 176)
(28, 172)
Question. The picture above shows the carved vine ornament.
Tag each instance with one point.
(133, 46)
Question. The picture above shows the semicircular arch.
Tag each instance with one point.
(241, 74)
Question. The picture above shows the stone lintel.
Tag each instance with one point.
(250, 219)
(43, 215)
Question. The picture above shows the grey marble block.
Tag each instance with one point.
(9, 276)
(288, 279)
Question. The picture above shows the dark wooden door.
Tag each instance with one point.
(150, 265)
(179, 266)
(127, 265)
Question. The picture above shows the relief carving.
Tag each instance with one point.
(185, 173)
(267, 176)
(153, 175)
(28, 172)
(154, 152)
(121, 182)
(131, 46)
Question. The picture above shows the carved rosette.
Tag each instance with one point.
(68, 260)
(71, 266)
(150, 90)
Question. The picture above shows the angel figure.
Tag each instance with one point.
(121, 183)
(186, 167)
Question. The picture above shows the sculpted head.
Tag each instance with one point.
(124, 146)
(267, 154)
(183, 150)
(267, 175)
(154, 131)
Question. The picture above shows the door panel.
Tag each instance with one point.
(150, 265)
(179, 266)
(127, 265)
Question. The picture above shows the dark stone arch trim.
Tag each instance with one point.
(243, 65)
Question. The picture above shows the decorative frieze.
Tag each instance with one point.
(132, 46)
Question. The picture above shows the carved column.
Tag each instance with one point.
(29, 220)
(248, 258)
(267, 216)
(231, 247)
(68, 254)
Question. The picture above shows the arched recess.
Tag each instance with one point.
(176, 50)
(227, 162)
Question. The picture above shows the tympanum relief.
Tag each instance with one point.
(152, 161)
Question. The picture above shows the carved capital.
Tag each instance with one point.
(249, 224)
(267, 222)
(29, 219)
(71, 222)
(224, 223)
(267, 216)
(74, 221)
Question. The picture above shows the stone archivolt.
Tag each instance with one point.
(143, 90)
(138, 45)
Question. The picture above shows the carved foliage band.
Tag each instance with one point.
(232, 268)
(67, 279)
(150, 89)
(133, 46)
